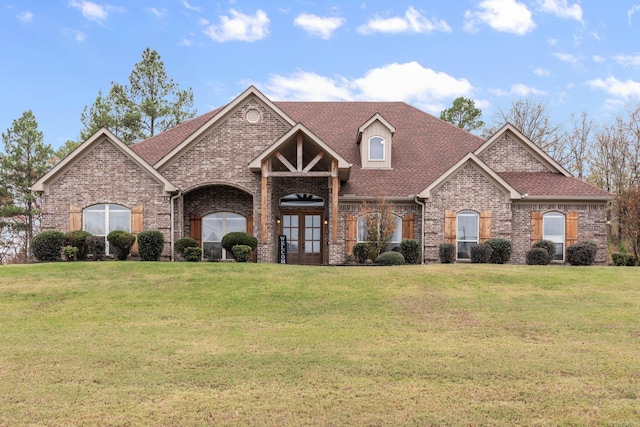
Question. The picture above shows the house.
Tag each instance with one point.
(303, 170)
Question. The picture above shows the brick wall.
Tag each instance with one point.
(507, 154)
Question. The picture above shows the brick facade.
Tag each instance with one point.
(508, 155)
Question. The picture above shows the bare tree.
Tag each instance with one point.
(578, 144)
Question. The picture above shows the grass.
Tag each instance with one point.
(128, 343)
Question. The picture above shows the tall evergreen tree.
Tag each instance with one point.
(464, 114)
(26, 158)
(150, 104)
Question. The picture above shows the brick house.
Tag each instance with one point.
(303, 170)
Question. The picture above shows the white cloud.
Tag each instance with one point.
(541, 72)
(94, 11)
(412, 22)
(633, 9)
(25, 17)
(409, 82)
(78, 35)
(520, 90)
(562, 9)
(598, 59)
(626, 60)
(240, 27)
(190, 7)
(567, 57)
(160, 13)
(502, 15)
(617, 88)
(185, 42)
(318, 26)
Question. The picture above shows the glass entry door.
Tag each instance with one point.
(304, 237)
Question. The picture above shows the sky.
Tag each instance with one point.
(572, 55)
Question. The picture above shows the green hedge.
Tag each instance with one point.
(447, 253)
(47, 245)
(390, 258)
(410, 250)
(150, 245)
(78, 239)
(501, 250)
(538, 256)
(122, 242)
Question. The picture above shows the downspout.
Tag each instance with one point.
(422, 229)
(173, 199)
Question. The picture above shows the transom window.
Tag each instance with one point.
(376, 148)
(467, 233)
(363, 222)
(214, 227)
(100, 220)
(553, 225)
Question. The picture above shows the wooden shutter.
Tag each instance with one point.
(75, 218)
(485, 226)
(195, 228)
(536, 226)
(137, 225)
(250, 225)
(407, 226)
(351, 232)
(450, 218)
(571, 232)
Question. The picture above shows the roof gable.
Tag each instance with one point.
(539, 154)
(486, 170)
(376, 117)
(84, 148)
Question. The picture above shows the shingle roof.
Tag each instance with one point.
(545, 184)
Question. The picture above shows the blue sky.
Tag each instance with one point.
(575, 55)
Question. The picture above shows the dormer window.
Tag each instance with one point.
(376, 148)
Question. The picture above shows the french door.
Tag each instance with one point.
(303, 231)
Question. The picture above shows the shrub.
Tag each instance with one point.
(410, 249)
(548, 245)
(620, 259)
(238, 238)
(538, 256)
(184, 243)
(193, 254)
(361, 252)
(241, 253)
(70, 253)
(96, 247)
(122, 242)
(390, 258)
(77, 239)
(447, 253)
(150, 245)
(632, 261)
(501, 250)
(582, 253)
(481, 253)
(47, 245)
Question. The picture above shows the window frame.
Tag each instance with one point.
(107, 209)
(223, 216)
(559, 240)
(382, 143)
(468, 242)
(361, 230)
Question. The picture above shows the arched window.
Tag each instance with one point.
(214, 227)
(363, 224)
(467, 233)
(553, 229)
(376, 148)
(100, 220)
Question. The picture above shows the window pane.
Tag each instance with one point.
(376, 148)
(212, 229)
(464, 250)
(212, 251)
(94, 222)
(362, 228)
(308, 234)
(316, 234)
(316, 220)
(119, 220)
(468, 226)
(559, 255)
(553, 227)
(397, 235)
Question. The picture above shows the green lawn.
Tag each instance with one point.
(130, 343)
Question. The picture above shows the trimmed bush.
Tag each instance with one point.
(238, 238)
(47, 245)
(582, 253)
(447, 253)
(122, 242)
(538, 256)
(96, 247)
(548, 245)
(481, 253)
(632, 261)
(241, 253)
(620, 259)
(77, 239)
(361, 252)
(70, 253)
(184, 243)
(150, 245)
(390, 258)
(410, 250)
(193, 254)
(501, 250)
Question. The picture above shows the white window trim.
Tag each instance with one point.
(107, 209)
(476, 240)
(555, 239)
(384, 149)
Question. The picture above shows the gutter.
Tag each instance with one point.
(422, 204)
(173, 199)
